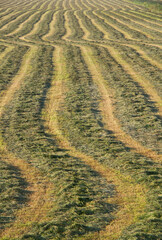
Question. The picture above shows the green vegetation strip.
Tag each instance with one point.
(12, 192)
(152, 5)
(27, 26)
(81, 203)
(10, 66)
(13, 25)
(94, 33)
(58, 27)
(133, 106)
(81, 123)
(111, 31)
(76, 32)
(43, 27)
(127, 28)
(152, 73)
(143, 26)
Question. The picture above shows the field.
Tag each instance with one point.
(80, 117)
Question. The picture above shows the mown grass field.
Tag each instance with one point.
(80, 119)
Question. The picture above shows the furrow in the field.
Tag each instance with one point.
(26, 5)
(91, 31)
(67, 25)
(100, 27)
(2, 50)
(80, 196)
(53, 6)
(98, 5)
(13, 191)
(87, 4)
(80, 4)
(151, 75)
(30, 198)
(140, 18)
(103, 5)
(27, 26)
(118, 5)
(56, 27)
(149, 15)
(114, 6)
(107, 6)
(73, 5)
(154, 52)
(67, 5)
(151, 59)
(7, 15)
(6, 12)
(38, 189)
(80, 122)
(51, 26)
(4, 54)
(116, 31)
(133, 107)
(59, 5)
(54, 100)
(10, 17)
(123, 5)
(37, 5)
(50, 6)
(10, 66)
(82, 26)
(13, 25)
(128, 29)
(111, 120)
(134, 6)
(151, 30)
(73, 29)
(9, 3)
(35, 27)
(94, 5)
(45, 5)
(15, 80)
(42, 27)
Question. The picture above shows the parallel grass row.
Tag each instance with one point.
(124, 27)
(76, 32)
(81, 122)
(80, 204)
(143, 67)
(15, 24)
(57, 29)
(12, 192)
(10, 65)
(42, 28)
(94, 33)
(112, 32)
(142, 26)
(133, 106)
(27, 26)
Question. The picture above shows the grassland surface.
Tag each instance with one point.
(80, 117)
